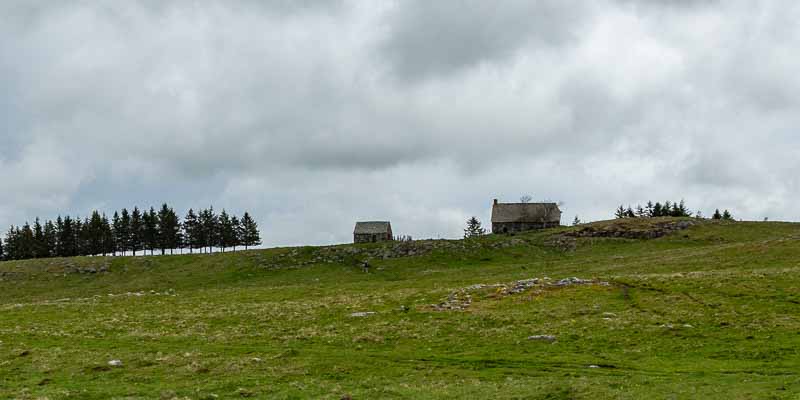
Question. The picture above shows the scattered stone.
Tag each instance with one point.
(462, 299)
(362, 314)
(594, 366)
(687, 326)
(256, 359)
(543, 338)
(609, 315)
(115, 363)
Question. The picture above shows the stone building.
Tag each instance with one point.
(372, 231)
(520, 217)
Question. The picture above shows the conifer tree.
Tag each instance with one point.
(473, 228)
(137, 230)
(190, 230)
(726, 216)
(649, 209)
(620, 213)
(107, 236)
(225, 230)
(38, 246)
(236, 227)
(50, 239)
(251, 236)
(576, 221)
(125, 219)
(716, 215)
(2, 251)
(150, 230)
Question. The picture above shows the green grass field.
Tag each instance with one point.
(710, 312)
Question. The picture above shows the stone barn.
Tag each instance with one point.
(521, 217)
(372, 231)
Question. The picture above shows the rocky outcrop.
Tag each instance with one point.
(626, 230)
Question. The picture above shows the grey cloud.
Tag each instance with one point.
(314, 114)
(436, 38)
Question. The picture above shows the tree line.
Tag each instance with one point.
(130, 232)
(667, 209)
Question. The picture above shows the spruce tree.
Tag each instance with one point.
(107, 236)
(225, 230)
(39, 247)
(620, 213)
(124, 234)
(576, 221)
(191, 231)
(649, 209)
(716, 215)
(473, 228)
(137, 230)
(50, 239)
(2, 251)
(251, 235)
(236, 227)
(150, 230)
(726, 216)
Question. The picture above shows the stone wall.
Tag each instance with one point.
(516, 227)
(370, 238)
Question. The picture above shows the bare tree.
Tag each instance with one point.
(526, 198)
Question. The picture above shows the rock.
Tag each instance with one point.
(362, 314)
(543, 338)
(594, 366)
(115, 363)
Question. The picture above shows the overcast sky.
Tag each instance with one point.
(313, 114)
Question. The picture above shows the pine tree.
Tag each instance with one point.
(726, 216)
(682, 210)
(474, 228)
(649, 209)
(150, 230)
(208, 228)
(126, 232)
(191, 231)
(620, 213)
(11, 241)
(576, 221)
(236, 226)
(629, 213)
(251, 236)
(39, 247)
(107, 236)
(50, 239)
(640, 212)
(169, 229)
(137, 230)
(716, 215)
(225, 230)
(2, 251)
(658, 210)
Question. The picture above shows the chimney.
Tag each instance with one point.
(495, 201)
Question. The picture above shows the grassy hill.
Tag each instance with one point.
(710, 311)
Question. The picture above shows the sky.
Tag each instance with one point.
(313, 114)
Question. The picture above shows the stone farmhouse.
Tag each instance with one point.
(372, 231)
(520, 217)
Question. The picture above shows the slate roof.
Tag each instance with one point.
(372, 227)
(526, 212)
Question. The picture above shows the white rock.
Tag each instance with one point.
(545, 338)
(362, 314)
(115, 363)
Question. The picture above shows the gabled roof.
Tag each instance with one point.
(526, 212)
(372, 227)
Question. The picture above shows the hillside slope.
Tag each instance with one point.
(660, 308)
